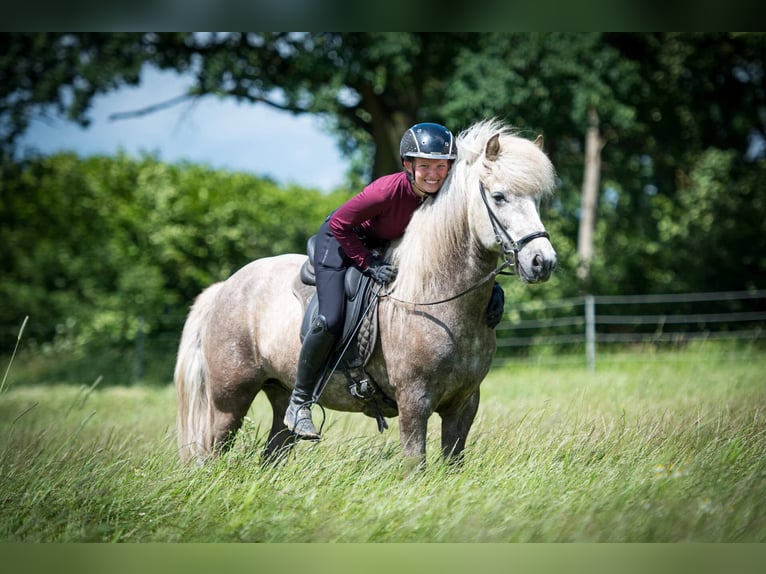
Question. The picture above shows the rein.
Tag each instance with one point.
(510, 256)
(497, 271)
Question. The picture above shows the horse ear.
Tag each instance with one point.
(493, 147)
(539, 141)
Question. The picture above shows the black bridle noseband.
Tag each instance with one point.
(510, 249)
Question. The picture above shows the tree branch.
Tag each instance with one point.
(179, 99)
(150, 109)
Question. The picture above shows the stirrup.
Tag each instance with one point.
(298, 421)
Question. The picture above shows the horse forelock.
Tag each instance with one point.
(520, 166)
(472, 141)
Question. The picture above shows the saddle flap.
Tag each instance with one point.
(358, 294)
(307, 274)
(353, 282)
(310, 248)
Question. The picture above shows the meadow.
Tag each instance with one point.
(664, 447)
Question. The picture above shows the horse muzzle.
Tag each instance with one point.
(536, 265)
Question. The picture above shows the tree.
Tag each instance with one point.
(42, 73)
(91, 245)
(663, 101)
(369, 86)
(590, 188)
(699, 93)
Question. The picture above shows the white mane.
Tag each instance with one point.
(439, 230)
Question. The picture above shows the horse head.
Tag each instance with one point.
(508, 178)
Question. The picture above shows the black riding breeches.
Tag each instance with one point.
(330, 264)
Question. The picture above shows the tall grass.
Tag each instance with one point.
(672, 449)
(13, 355)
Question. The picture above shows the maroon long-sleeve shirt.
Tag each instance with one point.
(381, 211)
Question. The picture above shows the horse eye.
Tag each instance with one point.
(498, 197)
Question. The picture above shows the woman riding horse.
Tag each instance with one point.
(367, 222)
(433, 348)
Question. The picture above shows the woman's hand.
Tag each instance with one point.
(380, 271)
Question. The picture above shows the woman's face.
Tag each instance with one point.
(429, 174)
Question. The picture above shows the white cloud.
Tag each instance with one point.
(218, 132)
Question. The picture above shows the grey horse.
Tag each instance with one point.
(433, 349)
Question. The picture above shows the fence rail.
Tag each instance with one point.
(576, 330)
(593, 321)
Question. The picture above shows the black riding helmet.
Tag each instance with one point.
(428, 140)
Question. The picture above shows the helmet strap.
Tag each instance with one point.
(410, 174)
(411, 178)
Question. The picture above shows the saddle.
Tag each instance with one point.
(360, 332)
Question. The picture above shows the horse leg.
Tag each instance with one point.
(414, 411)
(224, 430)
(228, 412)
(280, 440)
(456, 422)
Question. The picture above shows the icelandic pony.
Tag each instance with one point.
(433, 348)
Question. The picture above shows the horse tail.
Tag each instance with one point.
(194, 415)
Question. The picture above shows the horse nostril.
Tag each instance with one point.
(537, 262)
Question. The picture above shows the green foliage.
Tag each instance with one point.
(665, 103)
(92, 245)
(680, 114)
(719, 217)
(663, 449)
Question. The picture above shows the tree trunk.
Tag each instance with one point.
(591, 180)
(387, 135)
(386, 129)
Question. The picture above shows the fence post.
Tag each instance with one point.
(590, 332)
(139, 349)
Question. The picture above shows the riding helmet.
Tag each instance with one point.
(428, 140)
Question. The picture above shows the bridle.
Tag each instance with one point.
(510, 249)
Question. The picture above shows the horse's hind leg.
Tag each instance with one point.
(224, 430)
(228, 413)
(280, 440)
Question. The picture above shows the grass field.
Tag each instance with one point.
(663, 448)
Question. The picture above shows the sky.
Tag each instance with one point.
(221, 133)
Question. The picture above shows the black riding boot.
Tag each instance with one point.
(311, 361)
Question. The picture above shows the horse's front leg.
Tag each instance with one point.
(457, 420)
(414, 410)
